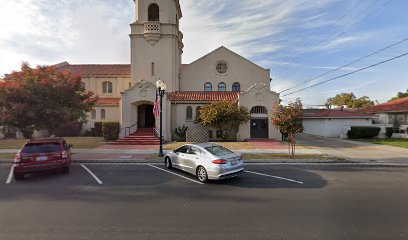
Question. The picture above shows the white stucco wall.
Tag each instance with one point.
(196, 74)
(112, 114)
(259, 95)
(331, 127)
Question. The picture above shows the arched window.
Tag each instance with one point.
(207, 87)
(189, 113)
(103, 114)
(259, 110)
(154, 12)
(130, 84)
(198, 112)
(107, 87)
(236, 87)
(222, 87)
(93, 114)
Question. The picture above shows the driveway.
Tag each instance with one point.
(353, 150)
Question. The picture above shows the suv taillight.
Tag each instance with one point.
(64, 154)
(17, 158)
(220, 161)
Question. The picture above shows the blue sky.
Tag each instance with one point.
(296, 39)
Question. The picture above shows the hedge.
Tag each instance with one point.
(389, 131)
(110, 131)
(363, 132)
(98, 129)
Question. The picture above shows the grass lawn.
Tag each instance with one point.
(230, 145)
(7, 156)
(273, 156)
(390, 142)
(78, 142)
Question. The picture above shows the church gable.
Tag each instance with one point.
(219, 68)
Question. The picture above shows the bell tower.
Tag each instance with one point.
(156, 42)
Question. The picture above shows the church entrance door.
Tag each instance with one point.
(145, 116)
(259, 128)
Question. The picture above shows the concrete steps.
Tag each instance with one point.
(143, 136)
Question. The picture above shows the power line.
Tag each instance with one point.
(348, 64)
(308, 51)
(347, 74)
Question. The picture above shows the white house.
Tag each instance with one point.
(127, 92)
(333, 123)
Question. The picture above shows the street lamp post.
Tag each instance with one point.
(161, 89)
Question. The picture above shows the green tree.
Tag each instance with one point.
(349, 100)
(226, 116)
(288, 120)
(399, 96)
(43, 98)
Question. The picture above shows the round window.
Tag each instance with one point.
(222, 68)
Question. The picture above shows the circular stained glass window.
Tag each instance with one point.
(222, 68)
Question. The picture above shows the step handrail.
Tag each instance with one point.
(156, 133)
(128, 128)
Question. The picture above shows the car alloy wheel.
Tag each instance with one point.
(202, 174)
(168, 163)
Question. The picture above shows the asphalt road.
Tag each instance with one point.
(143, 202)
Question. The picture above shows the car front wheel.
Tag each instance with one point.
(202, 174)
(167, 161)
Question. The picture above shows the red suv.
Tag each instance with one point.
(42, 154)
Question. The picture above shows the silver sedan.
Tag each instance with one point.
(206, 161)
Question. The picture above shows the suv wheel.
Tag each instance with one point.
(19, 176)
(65, 170)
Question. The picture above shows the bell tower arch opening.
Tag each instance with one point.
(153, 13)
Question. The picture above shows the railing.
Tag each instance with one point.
(151, 27)
(156, 133)
(127, 130)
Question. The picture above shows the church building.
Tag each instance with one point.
(127, 92)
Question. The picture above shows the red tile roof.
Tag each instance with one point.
(330, 113)
(95, 69)
(202, 96)
(108, 101)
(400, 105)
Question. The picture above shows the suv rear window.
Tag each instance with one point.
(218, 150)
(41, 148)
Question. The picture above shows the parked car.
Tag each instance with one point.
(206, 161)
(42, 154)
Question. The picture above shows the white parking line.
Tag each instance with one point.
(174, 174)
(92, 174)
(10, 176)
(271, 176)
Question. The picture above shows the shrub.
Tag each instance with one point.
(69, 129)
(98, 129)
(27, 132)
(181, 132)
(363, 132)
(389, 131)
(110, 131)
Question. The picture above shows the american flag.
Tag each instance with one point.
(156, 107)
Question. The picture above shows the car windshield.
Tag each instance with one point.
(41, 148)
(217, 150)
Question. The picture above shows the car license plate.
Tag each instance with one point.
(234, 162)
(42, 158)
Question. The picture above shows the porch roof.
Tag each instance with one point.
(108, 102)
(400, 105)
(200, 96)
